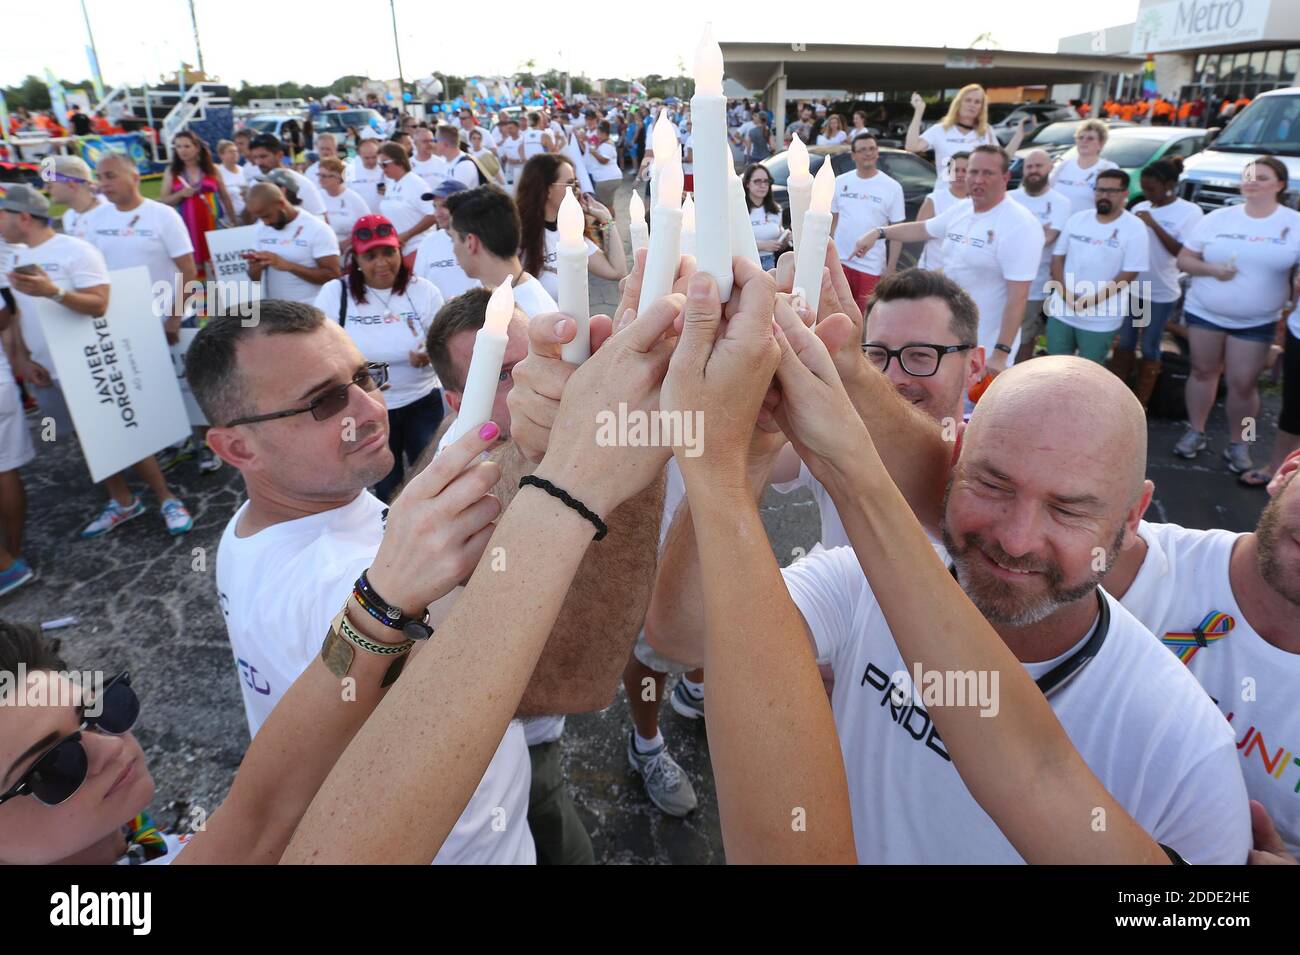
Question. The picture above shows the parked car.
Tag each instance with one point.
(1040, 114)
(914, 174)
(339, 121)
(1135, 148)
(1269, 125)
(273, 124)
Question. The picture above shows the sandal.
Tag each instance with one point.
(1255, 477)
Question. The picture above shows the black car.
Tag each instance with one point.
(914, 174)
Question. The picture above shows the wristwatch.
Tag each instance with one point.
(59, 293)
(880, 232)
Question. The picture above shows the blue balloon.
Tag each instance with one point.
(388, 96)
(406, 97)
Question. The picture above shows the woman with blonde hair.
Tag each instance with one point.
(834, 133)
(1077, 178)
(965, 127)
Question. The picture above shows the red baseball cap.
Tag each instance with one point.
(372, 231)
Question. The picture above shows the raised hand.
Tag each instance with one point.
(438, 527)
(540, 378)
(587, 455)
(721, 371)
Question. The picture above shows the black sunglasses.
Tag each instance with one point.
(59, 773)
(919, 361)
(372, 377)
(382, 231)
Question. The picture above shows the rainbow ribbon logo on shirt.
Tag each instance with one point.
(1214, 627)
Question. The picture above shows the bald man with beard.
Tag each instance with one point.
(1046, 492)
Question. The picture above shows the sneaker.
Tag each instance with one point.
(1238, 457)
(1190, 444)
(19, 573)
(177, 517)
(208, 460)
(686, 703)
(112, 515)
(665, 782)
(168, 458)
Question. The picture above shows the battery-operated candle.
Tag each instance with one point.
(810, 256)
(571, 269)
(798, 186)
(743, 243)
(710, 149)
(665, 238)
(485, 363)
(688, 226)
(636, 227)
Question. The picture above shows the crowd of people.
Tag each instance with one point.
(983, 505)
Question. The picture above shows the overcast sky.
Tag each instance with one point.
(316, 41)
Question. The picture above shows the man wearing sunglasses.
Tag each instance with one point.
(299, 411)
(1097, 256)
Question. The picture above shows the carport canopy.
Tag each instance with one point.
(775, 68)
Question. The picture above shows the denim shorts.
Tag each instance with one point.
(1256, 333)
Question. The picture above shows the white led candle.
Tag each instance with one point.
(810, 256)
(640, 232)
(571, 269)
(665, 238)
(798, 185)
(688, 227)
(485, 363)
(710, 145)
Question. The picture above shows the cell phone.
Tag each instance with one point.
(29, 269)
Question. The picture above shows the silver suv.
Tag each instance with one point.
(1270, 125)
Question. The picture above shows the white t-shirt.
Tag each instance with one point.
(983, 251)
(74, 222)
(932, 254)
(533, 145)
(302, 241)
(1077, 184)
(833, 532)
(767, 225)
(464, 170)
(1178, 218)
(603, 172)
(863, 205)
(151, 234)
(550, 277)
(436, 262)
(236, 185)
(279, 590)
(508, 149)
(388, 327)
(1134, 714)
(837, 139)
(432, 170)
(365, 182)
(954, 139)
(310, 198)
(533, 298)
(1264, 250)
(404, 206)
(71, 264)
(1052, 210)
(688, 148)
(1095, 252)
(1183, 580)
(344, 211)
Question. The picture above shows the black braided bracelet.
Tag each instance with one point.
(530, 479)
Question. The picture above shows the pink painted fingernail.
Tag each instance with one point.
(559, 328)
(489, 431)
